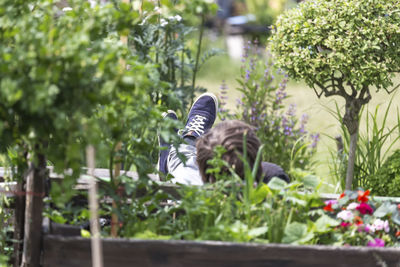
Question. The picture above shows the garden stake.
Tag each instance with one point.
(97, 254)
(33, 211)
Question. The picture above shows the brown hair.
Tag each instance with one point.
(228, 134)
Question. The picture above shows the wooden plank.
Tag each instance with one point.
(71, 252)
(84, 178)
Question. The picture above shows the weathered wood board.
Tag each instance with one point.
(75, 251)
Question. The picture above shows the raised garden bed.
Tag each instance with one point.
(75, 251)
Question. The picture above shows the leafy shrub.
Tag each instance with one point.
(386, 181)
(285, 137)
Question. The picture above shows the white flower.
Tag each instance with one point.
(157, 9)
(178, 18)
(345, 215)
(380, 225)
(163, 22)
(66, 9)
(352, 206)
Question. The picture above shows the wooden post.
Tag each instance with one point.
(117, 167)
(19, 212)
(114, 216)
(97, 255)
(33, 212)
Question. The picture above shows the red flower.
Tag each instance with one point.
(363, 196)
(358, 220)
(397, 233)
(328, 207)
(342, 195)
(364, 208)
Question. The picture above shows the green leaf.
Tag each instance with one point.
(85, 233)
(277, 184)
(260, 193)
(297, 233)
(324, 224)
(255, 232)
(384, 209)
(311, 181)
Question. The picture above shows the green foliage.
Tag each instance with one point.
(358, 39)
(386, 180)
(374, 145)
(164, 39)
(286, 140)
(229, 209)
(56, 69)
(6, 217)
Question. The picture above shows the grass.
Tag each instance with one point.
(222, 68)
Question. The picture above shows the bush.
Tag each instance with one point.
(386, 181)
(286, 140)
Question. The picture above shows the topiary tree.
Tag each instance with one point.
(341, 48)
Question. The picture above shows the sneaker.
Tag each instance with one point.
(163, 155)
(201, 116)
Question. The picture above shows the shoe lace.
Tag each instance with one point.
(196, 125)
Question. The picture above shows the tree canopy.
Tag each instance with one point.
(353, 42)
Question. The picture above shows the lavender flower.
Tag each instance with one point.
(315, 139)
(303, 122)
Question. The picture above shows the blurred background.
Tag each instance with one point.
(238, 23)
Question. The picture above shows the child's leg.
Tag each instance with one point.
(184, 172)
(201, 117)
(163, 155)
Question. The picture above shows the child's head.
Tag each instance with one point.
(228, 134)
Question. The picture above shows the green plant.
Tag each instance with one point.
(386, 180)
(341, 48)
(285, 137)
(374, 145)
(164, 38)
(229, 209)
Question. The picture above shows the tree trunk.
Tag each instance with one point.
(33, 212)
(351, 121)
(351, 160)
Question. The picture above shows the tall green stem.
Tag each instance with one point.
(196, 66)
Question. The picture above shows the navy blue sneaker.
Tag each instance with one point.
(201, 116)
(163, 155)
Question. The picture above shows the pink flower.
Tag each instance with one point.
(376, 243)
(345, 224)
(345, 215)
(331, 201)
(380, 225)
(363, 227)
(364, 208)
(352, 206)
